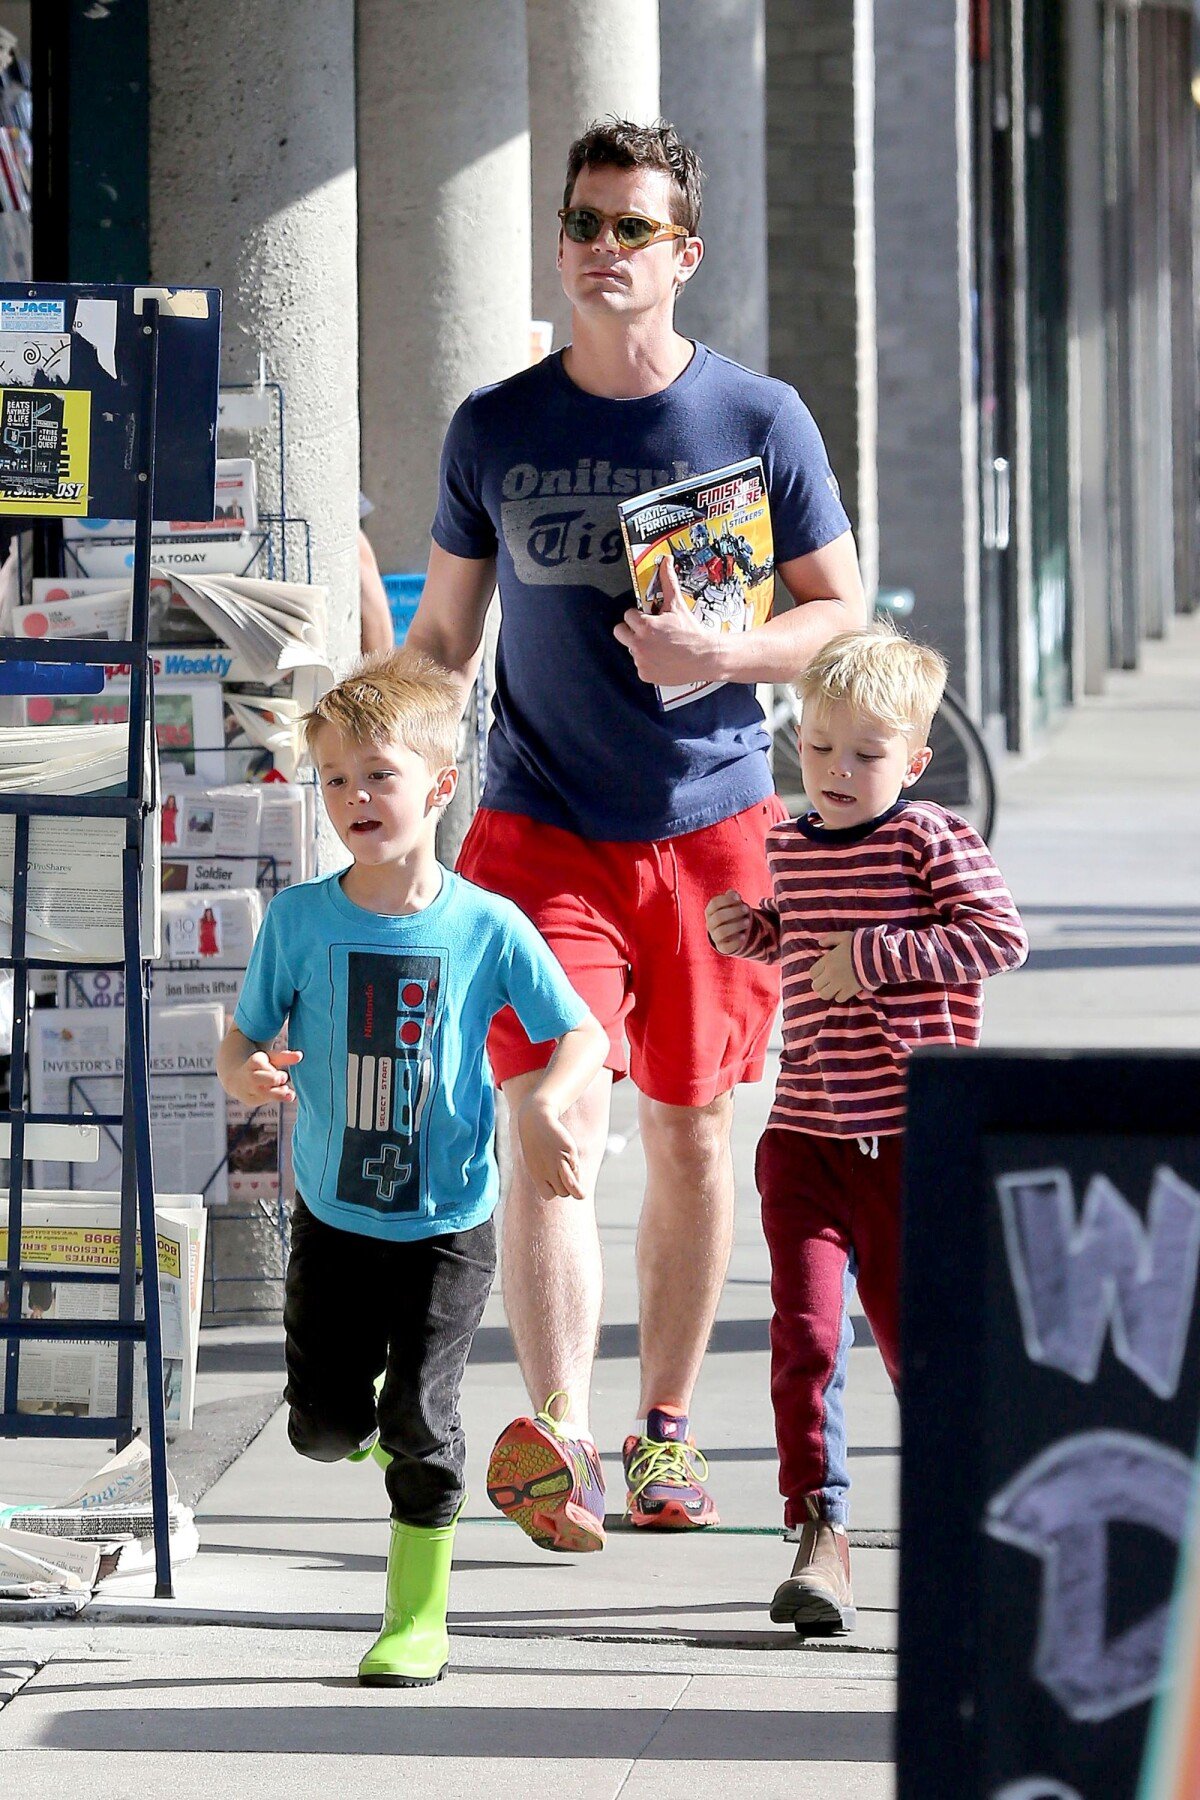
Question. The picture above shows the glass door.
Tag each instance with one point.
(1046, 215)
(992, 302)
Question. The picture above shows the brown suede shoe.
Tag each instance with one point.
(816, 1597)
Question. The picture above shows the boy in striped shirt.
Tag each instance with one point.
(886, 915)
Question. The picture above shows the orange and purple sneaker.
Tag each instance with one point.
(550, 1484)
(665, 1476)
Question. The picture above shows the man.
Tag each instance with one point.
(611, 821)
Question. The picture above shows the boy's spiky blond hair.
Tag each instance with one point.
(881, 674)
(393, 697)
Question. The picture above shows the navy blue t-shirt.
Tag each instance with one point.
(532, 469)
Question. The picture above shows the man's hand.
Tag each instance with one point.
(551, 1153)
(669, 646)
(264, 1077)
(728, 920)
(833, 975)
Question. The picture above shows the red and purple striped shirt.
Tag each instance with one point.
(931, 917)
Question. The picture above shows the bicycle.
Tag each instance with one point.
(960, 777)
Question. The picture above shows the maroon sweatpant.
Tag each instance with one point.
(827, 1204)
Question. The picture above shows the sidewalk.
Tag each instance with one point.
(651, 1670)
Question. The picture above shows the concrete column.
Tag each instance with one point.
(443, 134)
(1087, 368)
(252, 189)
(821, 234)
(713, 57)
(928, 506)
(584, 61)
(443, 255)
(14, 17)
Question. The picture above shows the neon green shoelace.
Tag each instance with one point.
(671, 1464)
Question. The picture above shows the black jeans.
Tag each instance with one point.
(356, 1307)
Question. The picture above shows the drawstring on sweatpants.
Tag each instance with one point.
(869, 1147)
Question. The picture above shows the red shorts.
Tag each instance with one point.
(627, 923)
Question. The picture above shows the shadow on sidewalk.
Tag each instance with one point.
(395, 1726)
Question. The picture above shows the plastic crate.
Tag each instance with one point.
(404, 594)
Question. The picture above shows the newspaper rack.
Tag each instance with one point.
(79, 659)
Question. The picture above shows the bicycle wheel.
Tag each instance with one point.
(960, 776)
(785, 757)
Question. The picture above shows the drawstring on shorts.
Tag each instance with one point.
(869, 1147)
(674, 886)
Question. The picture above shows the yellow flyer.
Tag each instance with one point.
(45, 448)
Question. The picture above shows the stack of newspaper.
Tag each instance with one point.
(64, 1232)
(102, 1528)
(74, 910)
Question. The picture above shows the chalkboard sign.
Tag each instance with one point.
(71, 361)
(1050, 1406)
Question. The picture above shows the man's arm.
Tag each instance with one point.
(670, 646)
(375, 628)
(449, 622)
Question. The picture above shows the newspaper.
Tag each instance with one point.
(76, 1061)
(189, 718)
(272, 626)
(104, 1528)
(235, 508)
(287, 834)
(217, 929)
(227, 542)
(31, 1567)
(74, 908)
(73, 1378)
(74, 607)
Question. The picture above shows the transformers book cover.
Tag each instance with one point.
(717, 530)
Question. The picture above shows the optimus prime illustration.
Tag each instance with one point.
(715, 574)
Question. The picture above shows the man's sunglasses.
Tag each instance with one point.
(633, 231)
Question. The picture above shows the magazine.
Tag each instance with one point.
(717, 530)
(75, 910)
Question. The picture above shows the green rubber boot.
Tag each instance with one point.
(413, 1648)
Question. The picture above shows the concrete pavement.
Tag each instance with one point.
(651, 1670)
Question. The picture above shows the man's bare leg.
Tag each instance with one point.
(551, 1269)
(684, 1240)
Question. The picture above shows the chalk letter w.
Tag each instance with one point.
(1073, 1278)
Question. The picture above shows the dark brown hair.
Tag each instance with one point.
(620, 144)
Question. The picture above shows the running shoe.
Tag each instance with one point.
(665, 1476)
(550, 1484)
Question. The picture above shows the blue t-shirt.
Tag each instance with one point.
(395, 1102)
(532, 469)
